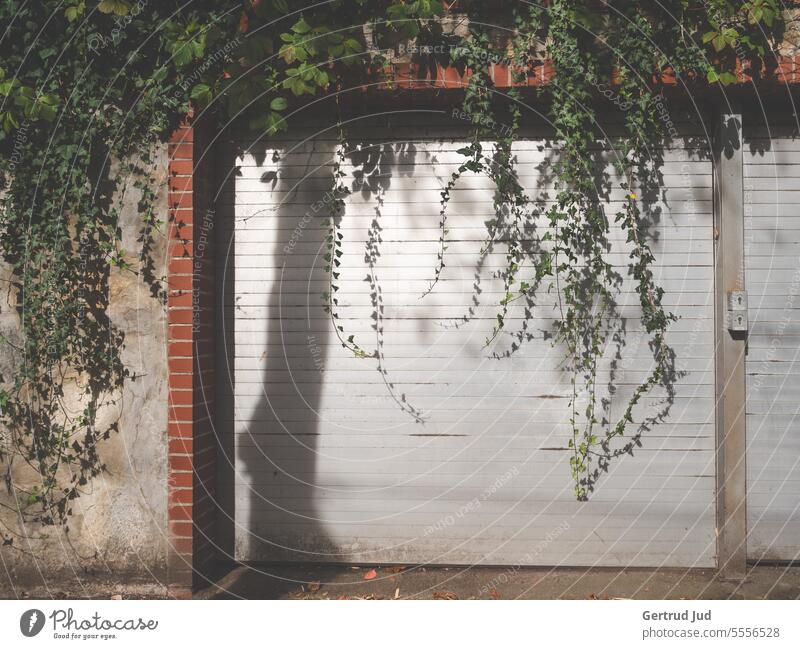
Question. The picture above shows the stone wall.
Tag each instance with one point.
(119, 530)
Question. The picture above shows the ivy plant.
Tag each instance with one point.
(88, 88)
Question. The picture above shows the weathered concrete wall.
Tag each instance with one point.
(119, 528)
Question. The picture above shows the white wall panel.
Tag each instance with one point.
(772, 263)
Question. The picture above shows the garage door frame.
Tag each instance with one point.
(196, 533)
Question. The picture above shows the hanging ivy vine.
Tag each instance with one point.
(88, 88)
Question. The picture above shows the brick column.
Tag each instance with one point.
(192, 446)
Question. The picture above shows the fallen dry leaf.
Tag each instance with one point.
(444, 594)
(370, 574)
(397, 593)
(493, 592)
(393, 570)
(313, 586)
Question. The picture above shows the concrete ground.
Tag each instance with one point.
(288, 581)
(84, 587)
(394, 582)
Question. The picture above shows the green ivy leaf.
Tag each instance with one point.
(353, 46)
(74, 12)
(201, 94)
(279, 103)
(9, 122)
(116, 7)
(301, 27)
(297, 86)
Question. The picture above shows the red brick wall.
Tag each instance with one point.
(192, 444)
(784, 69)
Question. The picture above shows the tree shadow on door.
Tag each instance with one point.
(283, 387)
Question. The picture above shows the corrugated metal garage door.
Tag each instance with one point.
(442, 452)
(772, 261)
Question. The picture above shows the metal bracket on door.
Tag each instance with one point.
(737, 311)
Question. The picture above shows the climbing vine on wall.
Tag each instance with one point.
(88, 88)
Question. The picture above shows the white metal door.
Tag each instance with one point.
(442, 452)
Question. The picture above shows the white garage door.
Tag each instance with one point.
(772, 261)
(444, 450)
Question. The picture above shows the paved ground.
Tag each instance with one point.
(84, 587)
(390, 582)
(344, 582)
